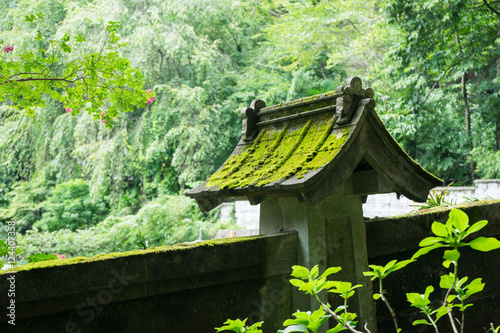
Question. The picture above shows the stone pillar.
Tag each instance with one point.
(331, 233)
(346, 247)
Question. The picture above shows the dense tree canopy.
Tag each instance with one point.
(434, 65)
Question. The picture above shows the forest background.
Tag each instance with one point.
(77, 186)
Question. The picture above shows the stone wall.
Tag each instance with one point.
(382, 205)
(193, 288)
(188, 288)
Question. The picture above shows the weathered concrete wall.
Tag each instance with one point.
(384, 205)
(398, 238)
(191, 288)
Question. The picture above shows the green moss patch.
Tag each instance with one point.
(282, 154)
(171, 248)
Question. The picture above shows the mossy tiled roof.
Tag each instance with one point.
(298, 146)
(277, 155)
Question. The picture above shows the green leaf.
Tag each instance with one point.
(451, 298)
(300, 319)
(485, 244)
(314, 272)
(446, 281)
(426, 250)
(451, 255)
(37, 257)
(430, 241)
(459, 219)
(330, 284)
(343, 287)
(447, 263)
(330, 270)
(474, 287)
(399, 265)
(428, 291)
(441, 311)
(439, 229)
(296, 282)
(339, 327)
(389, 264)
(294, 328)
(417, 300)
(421, 322)
(307, 287)
(300, 272)
(376, 296)
(476, 227)
(462, 308)
(232, 325)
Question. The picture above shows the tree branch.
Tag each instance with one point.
(337, 317)
(42, 79)
(359, 32)
(441, 76)
(493, 10)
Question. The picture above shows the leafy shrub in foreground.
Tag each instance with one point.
(450, 236)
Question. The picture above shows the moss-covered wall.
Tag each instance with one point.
(398, 238)
(187, 288)
(195, 287)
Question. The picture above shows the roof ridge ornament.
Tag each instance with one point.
(250, 118)
(351, 93)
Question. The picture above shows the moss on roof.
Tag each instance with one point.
(113, 255)
(281, 154)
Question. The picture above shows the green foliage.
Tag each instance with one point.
(452, 235)
(305, 321)
(449, 235)
(141, 243)
(421, 301)
(69, 206)
(99, 81)
(205, 60)
(381, 272)
(26, 204)
(311, 282)
(166, 220)
(436, 199)
(487, 162)
(239, 326)
(37, 257)
(442, 66)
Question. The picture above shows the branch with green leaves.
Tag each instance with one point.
(240, 326)
(451, 235)
(312, 283)
(100, 82)
(381, 272)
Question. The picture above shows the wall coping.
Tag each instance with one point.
(58, 288)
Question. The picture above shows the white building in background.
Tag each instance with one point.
(381, 205)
